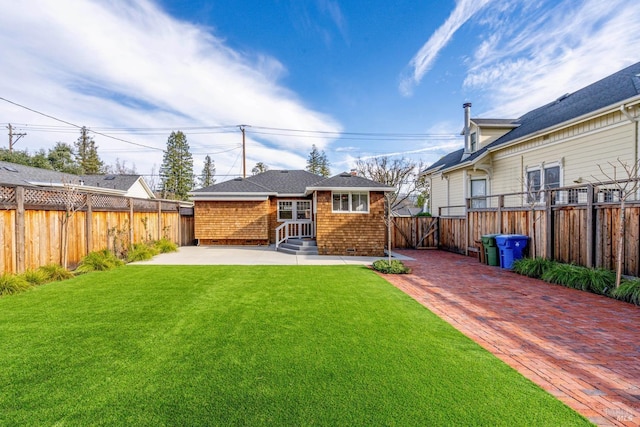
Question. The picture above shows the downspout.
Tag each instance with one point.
(636, 120)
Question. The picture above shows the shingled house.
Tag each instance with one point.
(341, 215)
(559, 144)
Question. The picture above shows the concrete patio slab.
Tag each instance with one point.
(252, 255)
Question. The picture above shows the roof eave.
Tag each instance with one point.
(572, 122)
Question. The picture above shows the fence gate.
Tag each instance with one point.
(414, 233)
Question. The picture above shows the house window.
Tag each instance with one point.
(478, 189)
(351, 202)
(547, 177)
(298, 210)
(474, 142)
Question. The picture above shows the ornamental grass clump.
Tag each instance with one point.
(141, 252)
(532, 267)
(165, 245)
(595, 280)
(103, 260)
(10, 284)
(393, 267)
(36, 277)
(629, 291)
(55, 272)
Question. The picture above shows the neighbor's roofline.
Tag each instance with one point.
(382, 189)
(567, 123)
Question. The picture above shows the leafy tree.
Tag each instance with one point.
(317, 162)
(259, 168)
(15, 156)
(207, 177)
(61, 158)
(87, 153)
(176, 171)
(40, 160)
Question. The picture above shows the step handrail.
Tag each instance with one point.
(293, 230)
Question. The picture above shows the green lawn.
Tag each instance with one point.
(258, 345)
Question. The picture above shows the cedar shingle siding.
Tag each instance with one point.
(232, 223)
(350, 233)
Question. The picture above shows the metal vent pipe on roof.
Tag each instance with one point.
(467, 127)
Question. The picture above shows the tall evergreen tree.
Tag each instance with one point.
(207, 177)
(317, 162)
(61, 158)
(87, 153)
(176, 172)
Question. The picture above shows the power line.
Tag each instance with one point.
(79, 127)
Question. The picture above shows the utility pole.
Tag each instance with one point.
(244, 151)
(11, 135)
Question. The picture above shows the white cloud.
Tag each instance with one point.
(540, 54)
(422, 62)
(129, 64)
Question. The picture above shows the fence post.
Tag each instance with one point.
(88, 222)
(549, 226)
(500, 206)
(590, 226)
(20, 230)
(159, 219)
(130, 221)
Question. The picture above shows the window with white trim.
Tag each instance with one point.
(354, 202)
(478, 189)
(298, 210)
(541, 178)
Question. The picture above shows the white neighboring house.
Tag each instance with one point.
(117, 185)
(556, 145)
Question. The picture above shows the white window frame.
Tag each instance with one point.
(481, 201)
(295, 210)
(541, 169)
(350, 195)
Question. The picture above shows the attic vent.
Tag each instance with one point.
(563, 97)
(109, 177)
(345, 174)
(10, 168)
(284, 171)
(237, 179)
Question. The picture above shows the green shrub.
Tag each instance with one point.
(629, 291)
(35, 277)
(56, 272)
(424, 214)
(165, 245)
(532, 267)
(141, 252)
(98, 261)
(596, 280)
(10, 284)
(395, 267)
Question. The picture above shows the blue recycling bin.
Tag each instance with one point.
(511, 248)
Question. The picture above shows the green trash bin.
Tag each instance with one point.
(490, 249)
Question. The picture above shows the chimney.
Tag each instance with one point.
(467, 130)
(354, 172)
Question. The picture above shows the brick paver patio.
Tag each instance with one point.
(582, 348)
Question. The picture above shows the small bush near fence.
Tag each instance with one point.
(94, 261)
(393, 267)
(595, 280)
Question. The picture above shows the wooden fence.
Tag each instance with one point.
(33, 225)
(583, 233)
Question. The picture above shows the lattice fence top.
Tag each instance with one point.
(7, 195)
(52, 198)
(33, 196)
(101, 201)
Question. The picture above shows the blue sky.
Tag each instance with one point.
(356, 78)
